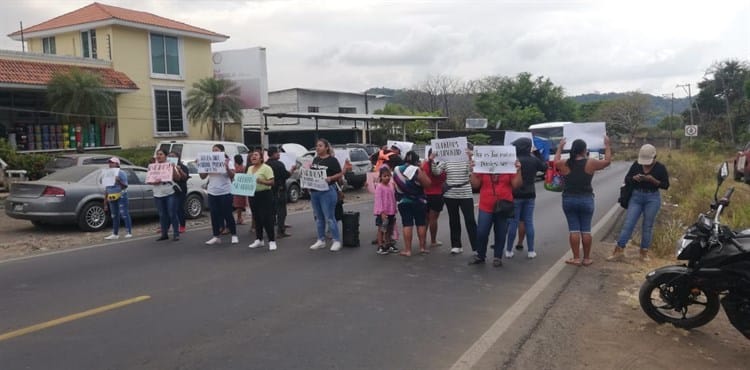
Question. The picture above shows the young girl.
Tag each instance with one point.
(239, 202)
(385, 211)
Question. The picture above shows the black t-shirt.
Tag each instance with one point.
(183, 183)
(280, 174)
(658, 171)
(330, 164)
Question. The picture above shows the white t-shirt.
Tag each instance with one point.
(219, 183)
(164, 189)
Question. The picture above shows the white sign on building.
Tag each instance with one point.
(476, 123)
(247, 68)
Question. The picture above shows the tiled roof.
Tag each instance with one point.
(100, 12)
(38, 74)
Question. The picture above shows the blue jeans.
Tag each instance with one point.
(578, 209)
(167, 215)
(119, 210)
(644, 203)
(221, 213)
(180, 206)
(486, 221)
(524, 211)
(324, 208)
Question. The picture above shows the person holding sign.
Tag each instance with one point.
(116, 200)
(261, 203)
(164, 194)
(434, 193)
(280, 175)
(174, 157)
(239, 202)
(457, 196)
(578, 195)
(410, 181)
(324, 201)
(219, 191)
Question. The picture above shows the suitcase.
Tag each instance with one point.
(350, 229)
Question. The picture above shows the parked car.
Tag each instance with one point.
(369, 148)
(61, 161)
(742, 164)
(75, 195)
(361, 165)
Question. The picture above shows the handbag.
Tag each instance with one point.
(626, 191)
(502, 207)
(553, 179)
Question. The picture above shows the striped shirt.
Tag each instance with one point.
(458, 180)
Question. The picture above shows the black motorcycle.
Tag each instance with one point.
(717, 270)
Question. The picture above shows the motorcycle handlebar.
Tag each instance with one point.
(728, 195)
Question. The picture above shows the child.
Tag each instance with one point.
(239, 202)
(385, 211)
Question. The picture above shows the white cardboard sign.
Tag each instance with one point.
(313, 179)
(211, 162)
(495, 159)
(405, 146)
(511, 136)
(109, 175)
(450, 150)
(592, 133)
(288, 160)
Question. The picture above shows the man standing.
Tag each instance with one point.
(280, 175)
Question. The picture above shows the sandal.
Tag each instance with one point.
(574, 261)
(404, 254)
(424, 251)
(497, 262)
(587, 262)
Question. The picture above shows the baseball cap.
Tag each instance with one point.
(115, 160)
(646, 155)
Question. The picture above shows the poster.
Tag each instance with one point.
(592, 133)
(427, 149)
(405, 146)
(244, 184)
(450, 150)
(511, 136)
(211, 162)
(342, 155)
(494, 159)
(313, 179)
(288, 160)
(109, 175)
(159, 172)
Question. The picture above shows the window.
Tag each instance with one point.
(168, 109)
(88, 44)
(312, 109)
(347, 110)
(48, 45)
(165, 55)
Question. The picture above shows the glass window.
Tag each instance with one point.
(141, 176)
(88, 44)
(157, 54)
(347, 110)
(168, 109)
(165, 55)
(48, 45)
(313, 109)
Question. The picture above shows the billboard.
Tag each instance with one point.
(476, 123)
(247, 68)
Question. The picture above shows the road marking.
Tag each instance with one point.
(475, 353)
(65, 319)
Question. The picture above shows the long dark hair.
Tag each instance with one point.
(221, 147)
(577, 148)
(326, 144)
(412, 158)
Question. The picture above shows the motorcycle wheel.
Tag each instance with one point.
(658, 297)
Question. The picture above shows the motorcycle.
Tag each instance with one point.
(717, 272)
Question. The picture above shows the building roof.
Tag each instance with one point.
(22, 73)
(101, 14)
(378, 96)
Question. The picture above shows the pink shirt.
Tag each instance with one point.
(385, 200)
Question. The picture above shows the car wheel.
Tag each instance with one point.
(193, 206)
(92, 216)
(293, 193)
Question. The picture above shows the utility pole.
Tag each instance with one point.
(671, 118)
(690, 99)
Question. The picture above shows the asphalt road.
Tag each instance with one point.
(230, 307)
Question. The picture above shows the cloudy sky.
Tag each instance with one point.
(352, 45)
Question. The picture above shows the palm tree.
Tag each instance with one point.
(216, 102)
(79, 94)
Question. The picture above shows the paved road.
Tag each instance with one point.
(234, 308)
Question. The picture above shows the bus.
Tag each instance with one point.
(550, 131)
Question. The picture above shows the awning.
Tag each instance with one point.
(29, 74)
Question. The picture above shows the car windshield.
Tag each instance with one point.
(61, 162)
(71, 174)
(358, 155)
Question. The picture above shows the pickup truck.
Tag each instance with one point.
(742, 164)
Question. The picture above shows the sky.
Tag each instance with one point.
(352, 45)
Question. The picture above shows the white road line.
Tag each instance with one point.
(472, 355)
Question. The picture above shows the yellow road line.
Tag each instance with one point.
(65, 319)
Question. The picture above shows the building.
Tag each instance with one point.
(301, 130)
(149, 61)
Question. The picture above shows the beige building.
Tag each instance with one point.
(153, 61)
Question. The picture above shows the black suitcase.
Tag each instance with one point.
(350, 229)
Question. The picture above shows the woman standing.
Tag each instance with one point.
(459, 196)
(116, 199)
(262, 201)
(164, 196)
(434, 193)
(412, 203)
(524, 199)
(220, 199)
(174, 157)
(495, 209)
(646, 176)
(324, 201)
(578, 195)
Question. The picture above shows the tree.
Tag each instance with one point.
(722, 100)
(625, 116)
(80, 95)
(416, 131)
(216, 102)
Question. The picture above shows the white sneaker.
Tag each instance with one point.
(271, 246)
(257, 243)
(320, 244)
(112, 237)
(235, 239)
(128, 236)
(335, 246)
(531, 255)
(509, 254)
(456, 250)
(213, 241)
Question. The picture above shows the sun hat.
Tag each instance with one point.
(646, 155)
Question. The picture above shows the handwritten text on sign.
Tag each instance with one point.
(313, 179)
(495, 159)
(159, 172)
(211, 162)
(450, 150)
(244, 184)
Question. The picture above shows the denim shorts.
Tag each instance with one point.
(579, 210)
(412, 214)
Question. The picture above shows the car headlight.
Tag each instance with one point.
(682, 243)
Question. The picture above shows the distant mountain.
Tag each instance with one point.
(661, 106)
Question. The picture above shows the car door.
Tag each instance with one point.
(139, 193)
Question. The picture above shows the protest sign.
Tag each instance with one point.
(244, 160)
(494, 159)
(288, 160)
(109, 175)
(427, 149)
(211, 162)
(450, 150)
(342, 155)
(313, 179)
(244, 184)
(159, 172)
(404, 146)
(592, 133)
(511, 136)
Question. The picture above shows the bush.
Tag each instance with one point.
(32, 163)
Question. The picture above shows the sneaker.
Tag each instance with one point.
(617, 255)
(257, 243)
(213, 241)
(320, 244)
(271, 246)
(497, 262)
(456, 250)
(128, 236)
(476, 261)
(336, 246)
(509, 254)
(182, 229)
(644, 255)
(519, 246)
(112, 237)
(531, 255)
(392, 249)
(283, 234)
(382, 251)
(235, 239)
